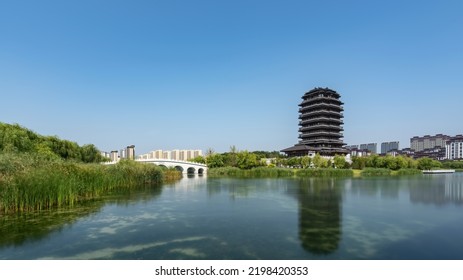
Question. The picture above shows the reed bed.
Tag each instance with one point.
(325, 172)
(376, 172)
(27, 184)
(279, 172)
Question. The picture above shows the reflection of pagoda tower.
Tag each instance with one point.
(320, 121)
(319, 216)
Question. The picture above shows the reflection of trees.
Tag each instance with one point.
(438, 189)
(319, 215)
(382, 187)
(19, 228)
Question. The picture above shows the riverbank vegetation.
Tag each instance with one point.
(275, 172)
(29, 182)
(17, 139)
(40, 172)
(244, 163)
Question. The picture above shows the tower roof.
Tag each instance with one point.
(319, 90)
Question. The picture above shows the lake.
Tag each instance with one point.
(410, 217)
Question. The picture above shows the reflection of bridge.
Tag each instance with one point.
(185, 167)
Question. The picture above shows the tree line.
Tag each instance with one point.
(248, 160)
(234, 158)
(17, 139)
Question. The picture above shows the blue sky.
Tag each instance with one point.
(211, 74)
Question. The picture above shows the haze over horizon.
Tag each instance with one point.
(207, 74)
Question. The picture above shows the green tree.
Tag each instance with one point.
(319, 162)
(294, 162)
(198, 159)
(390, 162)
(89, 154)
(339, 161)
(411, 163)
(401, 162)
(232, 158)
(358, 162)
(247, 160)
(305, 161)
(214, 160)
(426, 163)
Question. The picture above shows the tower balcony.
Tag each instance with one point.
(322, 141)
(329, 127)
(315, 134)
(323, 105)
(321, 113)
(334, 121)
(310, 100)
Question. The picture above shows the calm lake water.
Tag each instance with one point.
(416, 217)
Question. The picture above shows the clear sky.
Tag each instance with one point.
(211, 74)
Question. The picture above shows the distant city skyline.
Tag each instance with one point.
(211, 74)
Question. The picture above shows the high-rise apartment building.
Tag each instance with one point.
(428, 142)
(123, 153)
(114, 156)
(351, 147)
(130, 152)
(372, 147)
(389, 146)
(454, 148)
(320, 121)
(173, 155)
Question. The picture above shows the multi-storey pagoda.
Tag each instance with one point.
(320, 121)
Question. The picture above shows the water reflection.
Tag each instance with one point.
(319, 215)
(20, 228)
(438, 189)
(376, 187)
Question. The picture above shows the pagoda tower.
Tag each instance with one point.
(320, 124)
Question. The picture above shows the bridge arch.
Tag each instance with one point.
(183, 166)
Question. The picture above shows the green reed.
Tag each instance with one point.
(31, 184)
(279, 172)
(324, 172)
(376, 172)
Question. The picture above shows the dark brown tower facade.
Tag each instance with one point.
(320, 124)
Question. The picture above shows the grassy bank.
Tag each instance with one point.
(324, 172)
(308, 172)
(28, 182)
(254, 172)
(376, 172)
(367, 172)
(278, 172)
(407, 171)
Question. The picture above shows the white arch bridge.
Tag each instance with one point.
(186, 167)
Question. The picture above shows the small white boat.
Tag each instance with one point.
(439, 171)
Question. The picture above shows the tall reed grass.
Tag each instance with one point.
(279, 172)
(325, 172)
(376, 172)
(27, 183)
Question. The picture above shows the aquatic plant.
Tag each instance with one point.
(324, 172)
(30, 184)
(376, 172)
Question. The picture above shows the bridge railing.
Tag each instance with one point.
(172, 160)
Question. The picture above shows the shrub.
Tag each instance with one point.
(376, 172)
(324, 172)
